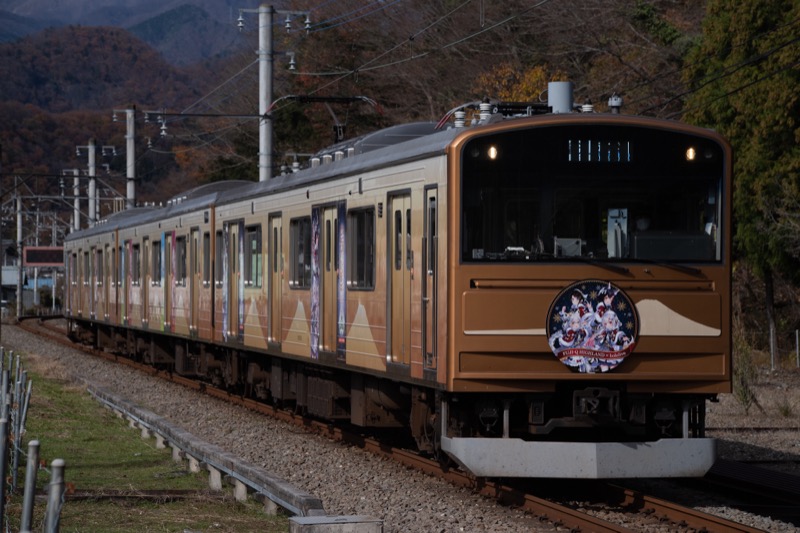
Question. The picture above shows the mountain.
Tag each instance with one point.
(184, 31)
(170, 32)
(123, 13)
(63, 69)
(13, 27)
(58, 88)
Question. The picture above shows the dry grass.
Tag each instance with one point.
(104, 455)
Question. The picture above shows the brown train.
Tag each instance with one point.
(536, 296)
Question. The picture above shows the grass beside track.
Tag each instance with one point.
(111, 467)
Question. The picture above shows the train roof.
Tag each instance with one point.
(391, 146)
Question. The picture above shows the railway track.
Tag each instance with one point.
(628, 506)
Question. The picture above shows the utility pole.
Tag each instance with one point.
(265, 91)
(265, 78)
(19, 253)
(264, 52)
(76, 192)
(94, 200)
(130, 154)
(91, 148)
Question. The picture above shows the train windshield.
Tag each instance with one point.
(616, 193)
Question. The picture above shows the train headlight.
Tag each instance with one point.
(691, 154)
(492, 152)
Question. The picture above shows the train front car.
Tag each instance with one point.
(589, 313)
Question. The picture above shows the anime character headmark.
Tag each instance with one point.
(593, 326)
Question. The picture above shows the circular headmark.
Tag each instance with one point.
(592, 326)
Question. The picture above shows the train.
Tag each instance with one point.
(538, 291)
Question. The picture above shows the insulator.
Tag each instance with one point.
(460, 118)
(486, 111)
(615, 103)
(288, 23)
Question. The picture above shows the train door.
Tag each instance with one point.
(234, 284)
(401, 264)
(86, 278)
(71, 282)
(93, 285)
(168, 268)
(329, 258)
(125, 281)
(110, 287)
(275, 277)
(430, 274)
(113, 293)
(146, 277)
(194, 281)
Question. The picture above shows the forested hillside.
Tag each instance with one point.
(88, 68)
(59, 88)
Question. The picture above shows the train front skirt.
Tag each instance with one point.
(511, 457)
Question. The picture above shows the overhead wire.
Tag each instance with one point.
(742, 42)
(738, 89)
(727, 71)
(366, 66)
(327, 24)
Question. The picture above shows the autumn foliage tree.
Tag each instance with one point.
(744, 77)
(516, 83)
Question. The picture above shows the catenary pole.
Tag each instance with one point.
(265, 14)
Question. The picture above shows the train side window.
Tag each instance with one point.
(361, 249)
(300, 245)
(409, 251)
(218, 267)
(398, 239)
(180, 261)
(253, 256)
(156, 281)
(98, 259)
(87, 268)
(136, 265)
(327, 245)
(275, 250)
(73, 269)
(336, 237)
(107, 267)
(145, 260)
(206, 258)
